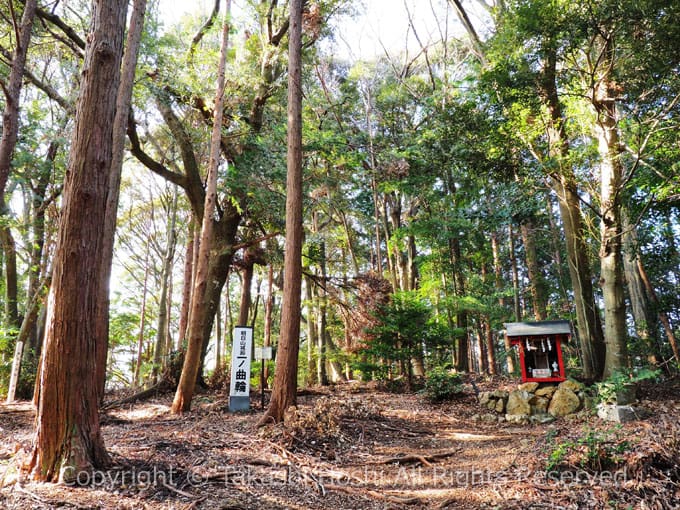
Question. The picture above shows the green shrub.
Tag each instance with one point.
(608, 389)
(442, 385)
(592, 451)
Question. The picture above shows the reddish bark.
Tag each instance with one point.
(68, 437)
(285, 379)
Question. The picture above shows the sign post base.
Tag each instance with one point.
(239, 404)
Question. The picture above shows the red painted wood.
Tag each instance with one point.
(557, 340)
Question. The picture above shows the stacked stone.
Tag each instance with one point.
(535, 402)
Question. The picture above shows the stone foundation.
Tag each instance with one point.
(535, 402)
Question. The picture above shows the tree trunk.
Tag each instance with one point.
(123, 105)
(222, 255)
(312, 331)
(490, 347)
(389, 254)
(28, 324)
(11, 280)
(517, 308)
(645, 322)
(537, 285)
(480, 358)
(378, 266)
(497, 268)
(187, 284)
(350, 244)
(68, 438)
(159, 351)
(462, 346)
(322, 334)
(336, 369)
(498, 285)
(418, 359)
(611, 186)
(199, 306)
(670, 335)
(39, 259)
(142, 321)
(229, 316)
(251, 256)
(556, 242)
(268, 312)
(218, 339)
(563, 182)
(285, 378)
(123, 108)
(246, 287)
(12, 90)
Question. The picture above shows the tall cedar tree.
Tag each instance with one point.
(123, 103)
(285, 378)
(68, 437)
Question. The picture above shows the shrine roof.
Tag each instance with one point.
(560, 327)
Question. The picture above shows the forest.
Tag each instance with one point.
(171, 183)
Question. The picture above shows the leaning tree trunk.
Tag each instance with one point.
(192, 358)
(27, 327)
(220, 261)
(285, 379)
(68, 438)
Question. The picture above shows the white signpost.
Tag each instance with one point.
(239, 390)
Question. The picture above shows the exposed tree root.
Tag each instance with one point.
(408, 459)
(374, 495)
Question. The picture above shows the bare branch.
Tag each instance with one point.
(202, 31)
(477, 47)
(422, 46)
(153, 165)
(50, 91)
(58, 22)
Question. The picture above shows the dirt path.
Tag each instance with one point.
(352, 449)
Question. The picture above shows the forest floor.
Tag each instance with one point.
(357, 447)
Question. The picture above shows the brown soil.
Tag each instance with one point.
(355, 447)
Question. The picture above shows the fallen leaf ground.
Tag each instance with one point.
(356, 447)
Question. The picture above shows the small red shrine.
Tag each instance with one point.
(540, 348)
